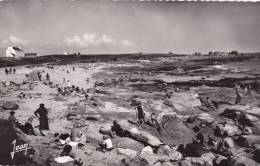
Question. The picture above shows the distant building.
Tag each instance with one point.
(219, 53)
(14, 52)
(30, 55)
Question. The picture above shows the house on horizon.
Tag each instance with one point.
(30, 55)
(14, 52)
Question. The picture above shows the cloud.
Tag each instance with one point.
(14, 40)
(126, 43)
(94, 40)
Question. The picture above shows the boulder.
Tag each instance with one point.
(205, 118)
(195, 150)
(171, 153)
(173, 131)
(248, 140)
(219, 160)
(229, 143)
(127, 152)
(252, 115)
(164, 154)
(205, 160)
(230, 129)
(10, 105)
(124, 129)
(183, 100)
(136, 161)
(127, 143)
(145, 137)
(147, 150)
(152, 159)
(93, 117)
(256, 152)
(243, 159)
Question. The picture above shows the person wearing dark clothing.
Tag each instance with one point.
(140, 115)
(42, 113)
(11, 119)
(14, 70)
(6, 71)
(47, 77)
(40, 76)
(67, 151)
(242, 121)
(200, 138)
(28, 128)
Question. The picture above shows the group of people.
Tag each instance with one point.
(238, 92)
(10, 71)
(66, 90)
(27, 128)
(141, 116)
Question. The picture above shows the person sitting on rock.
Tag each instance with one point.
(212, 141)
(225, 144)
(140, 114)
(67, 151)
(109, 133)
(106, 145)
(28, 128)
(76, 133)
(209, 104)
(155, 122)
(21, 95)
(200, 138)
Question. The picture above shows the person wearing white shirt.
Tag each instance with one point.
(107, 144)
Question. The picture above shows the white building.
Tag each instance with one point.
(14, 52)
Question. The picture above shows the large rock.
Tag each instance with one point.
(123, 128)
(173, 131)
(256, 152)
(205, 160)
(147, 150)
(252, 115)
(230, 129)
(136, 161)
(171, 153)
(183, 100)
(127, 152)
(248, 140)
(243, 159)
(10, 105)
(127, 143)
(145, 137)
(153, 159)
(205, 118)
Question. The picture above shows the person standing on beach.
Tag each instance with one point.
(140, 114)
(6, 71)
(238, 95)
(47, 77)
(42, 113)
(11, 119)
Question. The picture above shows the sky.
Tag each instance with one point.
(95, 27)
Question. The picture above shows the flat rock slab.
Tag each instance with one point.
(10, 106)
